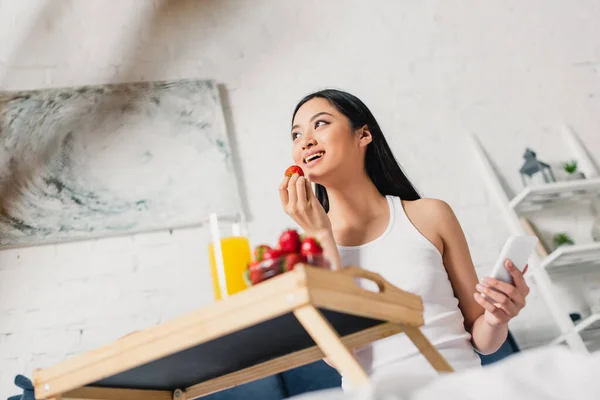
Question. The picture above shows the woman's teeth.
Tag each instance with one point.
(314, 156)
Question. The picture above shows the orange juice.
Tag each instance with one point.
(236, 257)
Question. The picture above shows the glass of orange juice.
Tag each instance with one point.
(229, 255)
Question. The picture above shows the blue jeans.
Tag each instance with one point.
(308, 378)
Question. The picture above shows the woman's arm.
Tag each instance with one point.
(487, 322)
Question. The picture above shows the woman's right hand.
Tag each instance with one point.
(299, 202)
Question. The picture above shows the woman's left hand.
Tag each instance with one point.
(506, 300)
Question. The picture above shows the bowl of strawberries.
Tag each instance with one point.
(291, 249)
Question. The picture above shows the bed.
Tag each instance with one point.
(540, 374)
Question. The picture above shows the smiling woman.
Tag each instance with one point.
(366, 212)
(346, 120)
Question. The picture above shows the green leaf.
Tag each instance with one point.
(562, 239)
(570, 167)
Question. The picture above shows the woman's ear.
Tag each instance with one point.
(364, 136)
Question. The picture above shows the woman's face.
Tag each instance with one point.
(325, 144)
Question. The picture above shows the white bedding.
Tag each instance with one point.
(547, 373)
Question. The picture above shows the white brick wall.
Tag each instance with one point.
(510, 71)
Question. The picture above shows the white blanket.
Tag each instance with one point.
(546, 373)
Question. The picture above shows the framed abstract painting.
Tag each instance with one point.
(95, 161)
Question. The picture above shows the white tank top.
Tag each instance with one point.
(409, 261)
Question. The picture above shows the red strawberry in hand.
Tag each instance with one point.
(310, 247)
(259, 252)
(289, 241)
(294, 169)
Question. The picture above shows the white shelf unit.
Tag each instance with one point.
(590, 324)
(578, 258)
(536, 198)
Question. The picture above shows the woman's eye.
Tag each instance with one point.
(319, 123)
(295, 135)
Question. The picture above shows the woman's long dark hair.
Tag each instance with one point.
(380, 163)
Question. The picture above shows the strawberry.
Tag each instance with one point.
(259, 252)
(318, 260)
(289, 241)
(272, 254)
(271, 267)
(310, 247)
(255, 276)
(253, 273)
(294, 169)
(291, 260)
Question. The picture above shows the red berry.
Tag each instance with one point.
(277, 266)
(255, 276)
(291, 260)
(272, 254)
(253, 273)
(318, 260)
(259, 252)
(294, 169)
(310, 247)
(289, 241)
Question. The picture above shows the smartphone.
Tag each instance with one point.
(517, 249)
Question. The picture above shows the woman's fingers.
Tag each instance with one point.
(499, 299)
(509, 290)
(283, 192)
(498, 314)
(301, 192)
(518, 278)
(300, 203)
(292, 194)
(310, 195)
(486, 303)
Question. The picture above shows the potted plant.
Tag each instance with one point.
(562, 239)
(571, 170)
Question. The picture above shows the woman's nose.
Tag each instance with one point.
(308, 143)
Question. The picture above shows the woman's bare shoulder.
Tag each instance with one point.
(430, 217)
(428, 207)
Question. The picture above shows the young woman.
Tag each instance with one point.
(366, 212)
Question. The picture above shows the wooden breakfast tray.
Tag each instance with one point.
(290, 320)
